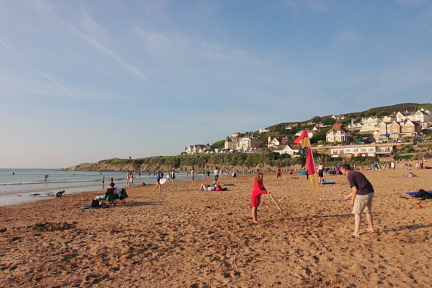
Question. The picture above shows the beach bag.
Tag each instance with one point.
(94, 203)
(218, 188)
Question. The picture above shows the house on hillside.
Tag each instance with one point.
(362, 150)
(290, 149)
(264, 130)
(394, 130)
(388, 119)
(338, 133)
(410, 129)
(422, 115)
(402, 116)
(370, 124)
(247, 143)
(274, 141)
(235, 142)
(354, 126)
(197, 148)
(338, 117)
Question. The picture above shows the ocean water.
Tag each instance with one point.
(19, 186)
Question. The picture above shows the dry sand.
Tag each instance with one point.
(183, 237)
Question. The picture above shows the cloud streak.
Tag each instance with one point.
(39, 71)
(92, 26)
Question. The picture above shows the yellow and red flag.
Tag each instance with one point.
(304, 141)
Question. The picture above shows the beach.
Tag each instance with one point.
(182, 237)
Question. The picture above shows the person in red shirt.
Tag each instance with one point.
(258, 190)
(279, 170)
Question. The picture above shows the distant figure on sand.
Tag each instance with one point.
(258, 190)
(320, 173)
(361, 197)
(278, 171)
(159, 176)
(234, 174)
(216, 174)
(193, 174)
(45, 177)
(60, 193)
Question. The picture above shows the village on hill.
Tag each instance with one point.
(373, 134)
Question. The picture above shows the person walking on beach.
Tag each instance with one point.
(127, 178)
(278, 171)
(216, 174)
(159, 176)
(361, 198)
(320, 173)
(131, 177)
(258, 190)
(193, 174)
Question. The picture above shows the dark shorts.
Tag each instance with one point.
(320, 173)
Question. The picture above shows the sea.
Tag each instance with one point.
(18, 186)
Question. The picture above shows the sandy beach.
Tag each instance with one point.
(183, 237)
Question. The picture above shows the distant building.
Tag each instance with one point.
(291, 149)
(197, 148)
(338, 117)
(362, 150)
(274, 141)
(338, 133)
(235, 142)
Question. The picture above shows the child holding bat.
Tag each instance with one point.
(258, 190)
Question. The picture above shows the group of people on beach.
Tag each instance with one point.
(362, 193)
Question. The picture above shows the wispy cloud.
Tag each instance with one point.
(110, 53)
(39, 71)
(184, 47)
(92, 28)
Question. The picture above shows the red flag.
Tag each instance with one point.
(310, 166)
(303, 139)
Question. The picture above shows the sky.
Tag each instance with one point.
(83, 81)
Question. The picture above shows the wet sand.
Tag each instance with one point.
(183, 237)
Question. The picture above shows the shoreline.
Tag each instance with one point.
(183, 237)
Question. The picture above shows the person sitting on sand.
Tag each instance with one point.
(255, 200)
(60, 193)
(361, 197)
(204, 187)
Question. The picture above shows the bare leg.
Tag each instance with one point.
(370, 222)
(357, 222)
(255, 214)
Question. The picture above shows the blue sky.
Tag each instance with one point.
(82, 81)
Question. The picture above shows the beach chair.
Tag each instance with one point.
(123, 195)
(110, 196)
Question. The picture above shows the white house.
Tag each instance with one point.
(338, 133)
(362, 150)
(370, 124)
(292, 149)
